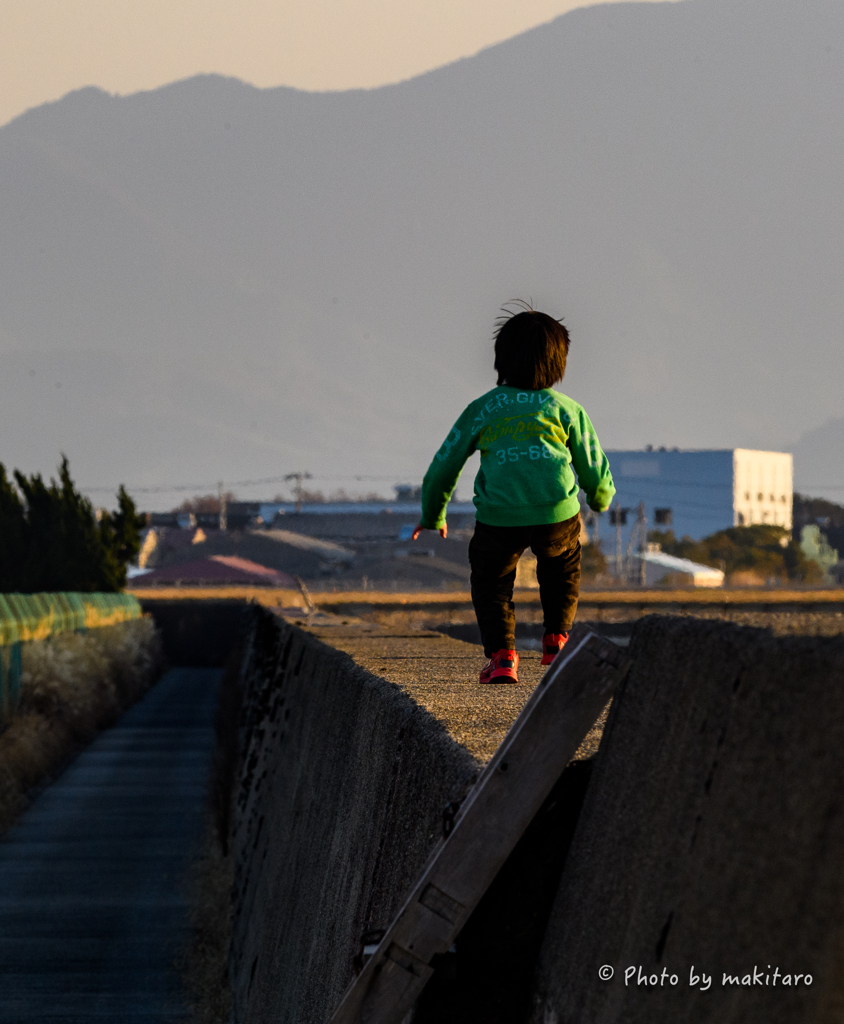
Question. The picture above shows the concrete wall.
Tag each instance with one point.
(346, 776)
(710, 842)
(356, 737)
(197, 633)
(711, 838)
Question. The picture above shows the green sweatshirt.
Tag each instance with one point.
(532, 443)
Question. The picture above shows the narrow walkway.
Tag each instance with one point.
(91, 878)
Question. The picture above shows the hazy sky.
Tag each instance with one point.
(49, 47)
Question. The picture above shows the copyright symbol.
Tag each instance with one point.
(606, 973)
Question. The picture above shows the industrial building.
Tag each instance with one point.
(660, 568)
(695, 493)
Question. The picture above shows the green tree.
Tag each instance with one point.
(768, 551)
(52, 540)
(828, 515)
(12, 533)
(121, 533)
(65, 550)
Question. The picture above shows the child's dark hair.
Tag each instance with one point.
(530, 349)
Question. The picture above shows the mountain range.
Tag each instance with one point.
(213, 281)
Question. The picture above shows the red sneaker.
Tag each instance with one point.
(552, 644)
(501, 667)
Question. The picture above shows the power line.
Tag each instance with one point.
(627, 483)
(211, 485)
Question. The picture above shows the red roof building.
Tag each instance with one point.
(216, 571)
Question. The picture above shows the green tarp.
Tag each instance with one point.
(37, 616)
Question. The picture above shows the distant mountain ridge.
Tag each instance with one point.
(228, 282)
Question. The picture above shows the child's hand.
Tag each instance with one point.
(443, 531)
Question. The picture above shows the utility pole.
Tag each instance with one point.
(590, 521)
(643, 544)
(639, 542)
(224, 517)
(618, 518)
(297, 490)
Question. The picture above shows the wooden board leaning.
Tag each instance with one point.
(541, 742)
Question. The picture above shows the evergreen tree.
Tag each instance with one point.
(120, 533)
(12, 533)
(52, 539)
(128, 524)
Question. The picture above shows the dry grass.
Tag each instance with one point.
(73, 685)
(203, 964)
(270, 597)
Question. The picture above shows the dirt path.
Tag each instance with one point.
(91, 878)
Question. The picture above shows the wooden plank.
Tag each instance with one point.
(541, 742)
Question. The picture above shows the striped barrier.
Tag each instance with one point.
(28, 617)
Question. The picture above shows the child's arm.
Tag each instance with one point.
(590, 463)
(443, 474)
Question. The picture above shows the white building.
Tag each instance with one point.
(697, 493)
(763, 487)
(662, 568)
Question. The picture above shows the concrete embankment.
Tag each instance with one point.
(198, 631)
(357, 740)
(710, 840)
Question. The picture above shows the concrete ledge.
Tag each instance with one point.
(711, 838)
(356, 738)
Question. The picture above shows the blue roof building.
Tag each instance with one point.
(697, 492)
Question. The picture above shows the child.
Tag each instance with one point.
(532, 442)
